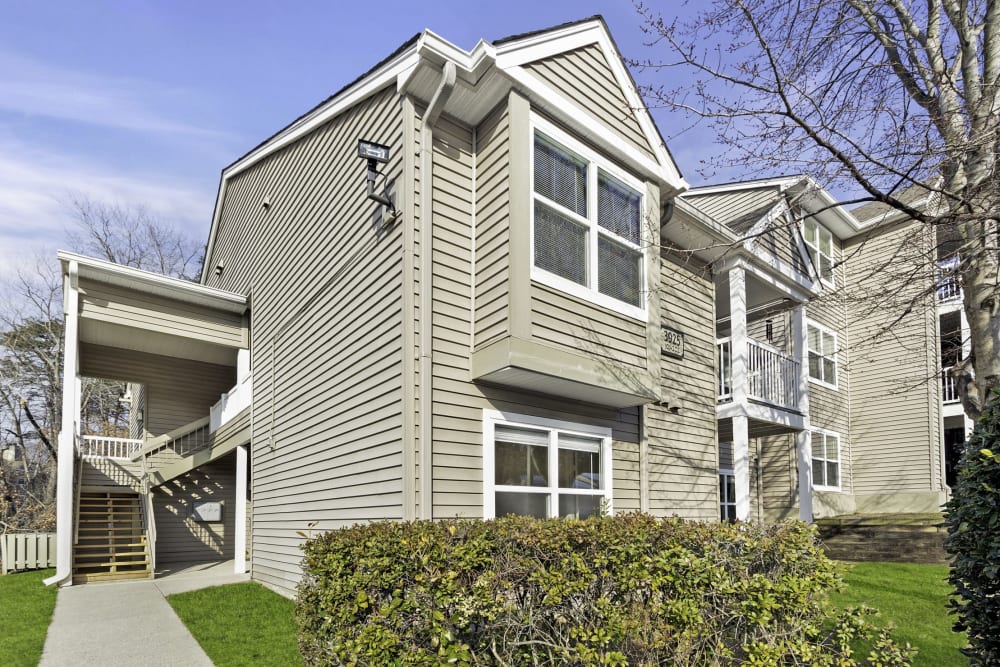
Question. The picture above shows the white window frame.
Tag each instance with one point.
(493, 418)
(728, 502)
(595, 162)
(820, 230)
(832, 355)
(840, 467)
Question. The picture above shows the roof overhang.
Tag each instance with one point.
(484, 76)
(153, 283)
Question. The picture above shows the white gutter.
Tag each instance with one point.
(431, 115)
(67, 434)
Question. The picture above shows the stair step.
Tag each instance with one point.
(109, 576)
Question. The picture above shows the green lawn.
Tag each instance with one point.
(26, 606)
(240, 624)
(912, 598)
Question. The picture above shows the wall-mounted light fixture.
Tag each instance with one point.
(375, 153)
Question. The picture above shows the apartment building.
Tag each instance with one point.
(467, 285)
(848, 405)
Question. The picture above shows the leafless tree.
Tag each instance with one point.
(31, 353)
(132, 236)
(878, 97)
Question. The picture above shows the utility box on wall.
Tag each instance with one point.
(207, 512)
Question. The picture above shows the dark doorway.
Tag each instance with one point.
(954, 439)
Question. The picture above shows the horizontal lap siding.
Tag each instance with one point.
(458, 404)
(683, 461)
(325, 274)
(586, 78)
(179, 538)
(577, 325)
(829, 408)
(729, 206)
(492, 228)
(778, 497)
(112, 303)
(895, 392)
(177, 391)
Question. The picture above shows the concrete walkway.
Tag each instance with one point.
(130, 622)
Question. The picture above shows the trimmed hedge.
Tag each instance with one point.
(623, 590)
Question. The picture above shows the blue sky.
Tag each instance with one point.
(144, 102)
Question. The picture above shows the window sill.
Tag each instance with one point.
(573, 289)
(823, 383)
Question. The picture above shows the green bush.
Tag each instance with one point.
(623, 590)
(973, 521)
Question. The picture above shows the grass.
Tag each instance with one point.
(913, 599)
(240, 624)
(26, 606)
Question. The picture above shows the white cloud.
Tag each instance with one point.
(35, 186)
(34, 88)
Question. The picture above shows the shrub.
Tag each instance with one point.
(623, 590)
(973, 523)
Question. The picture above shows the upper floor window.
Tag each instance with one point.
(586, 225)
(822, 345)
(544, 468)
(826, 459)
(819, 242)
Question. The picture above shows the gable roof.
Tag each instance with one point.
(484, 75)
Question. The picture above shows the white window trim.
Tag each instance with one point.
(840, 466)
(731, 473)
(819, 273)
(836, 347)
(593, 159)
(492, 418)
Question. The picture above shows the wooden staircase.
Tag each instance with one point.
(111, 538)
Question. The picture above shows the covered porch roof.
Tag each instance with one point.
(123, 308)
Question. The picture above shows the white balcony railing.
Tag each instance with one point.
(949, 388)
(231, 404)
(772, 375)
(948, 288)
(102, 447)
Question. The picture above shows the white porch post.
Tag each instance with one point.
(966, 334)
(803, 439)
(741, 425)
(69, 430)
(240, 533)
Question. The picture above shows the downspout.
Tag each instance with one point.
(67, 434)
(425, 401)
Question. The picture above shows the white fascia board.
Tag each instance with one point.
(511, 56)
(434, 47)
(781, 183)
(182, 290)
(779, 277)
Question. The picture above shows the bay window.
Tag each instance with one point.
(586, 225)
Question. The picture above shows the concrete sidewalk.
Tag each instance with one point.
(130, 622)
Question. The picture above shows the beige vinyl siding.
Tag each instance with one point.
(179, 538)
(575, 324)
(830, 409)
(492, 228)
(96, 472)
(747, 206)
(895, 393)
(683, 459)
(778, 497)
(585, 77)
(177, 391)
(457, 403)
(124, 307)
(325, 274)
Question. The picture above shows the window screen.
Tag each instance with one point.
(619, 208)
(560, 244)
(560, 177)
(619, 273)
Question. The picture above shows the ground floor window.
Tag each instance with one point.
(727, 495)
(543, 467)
(826, 460)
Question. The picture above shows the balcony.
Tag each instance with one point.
(949, 387)
(103, 447)
(772, 375)
(231, 404)
(948, 288)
